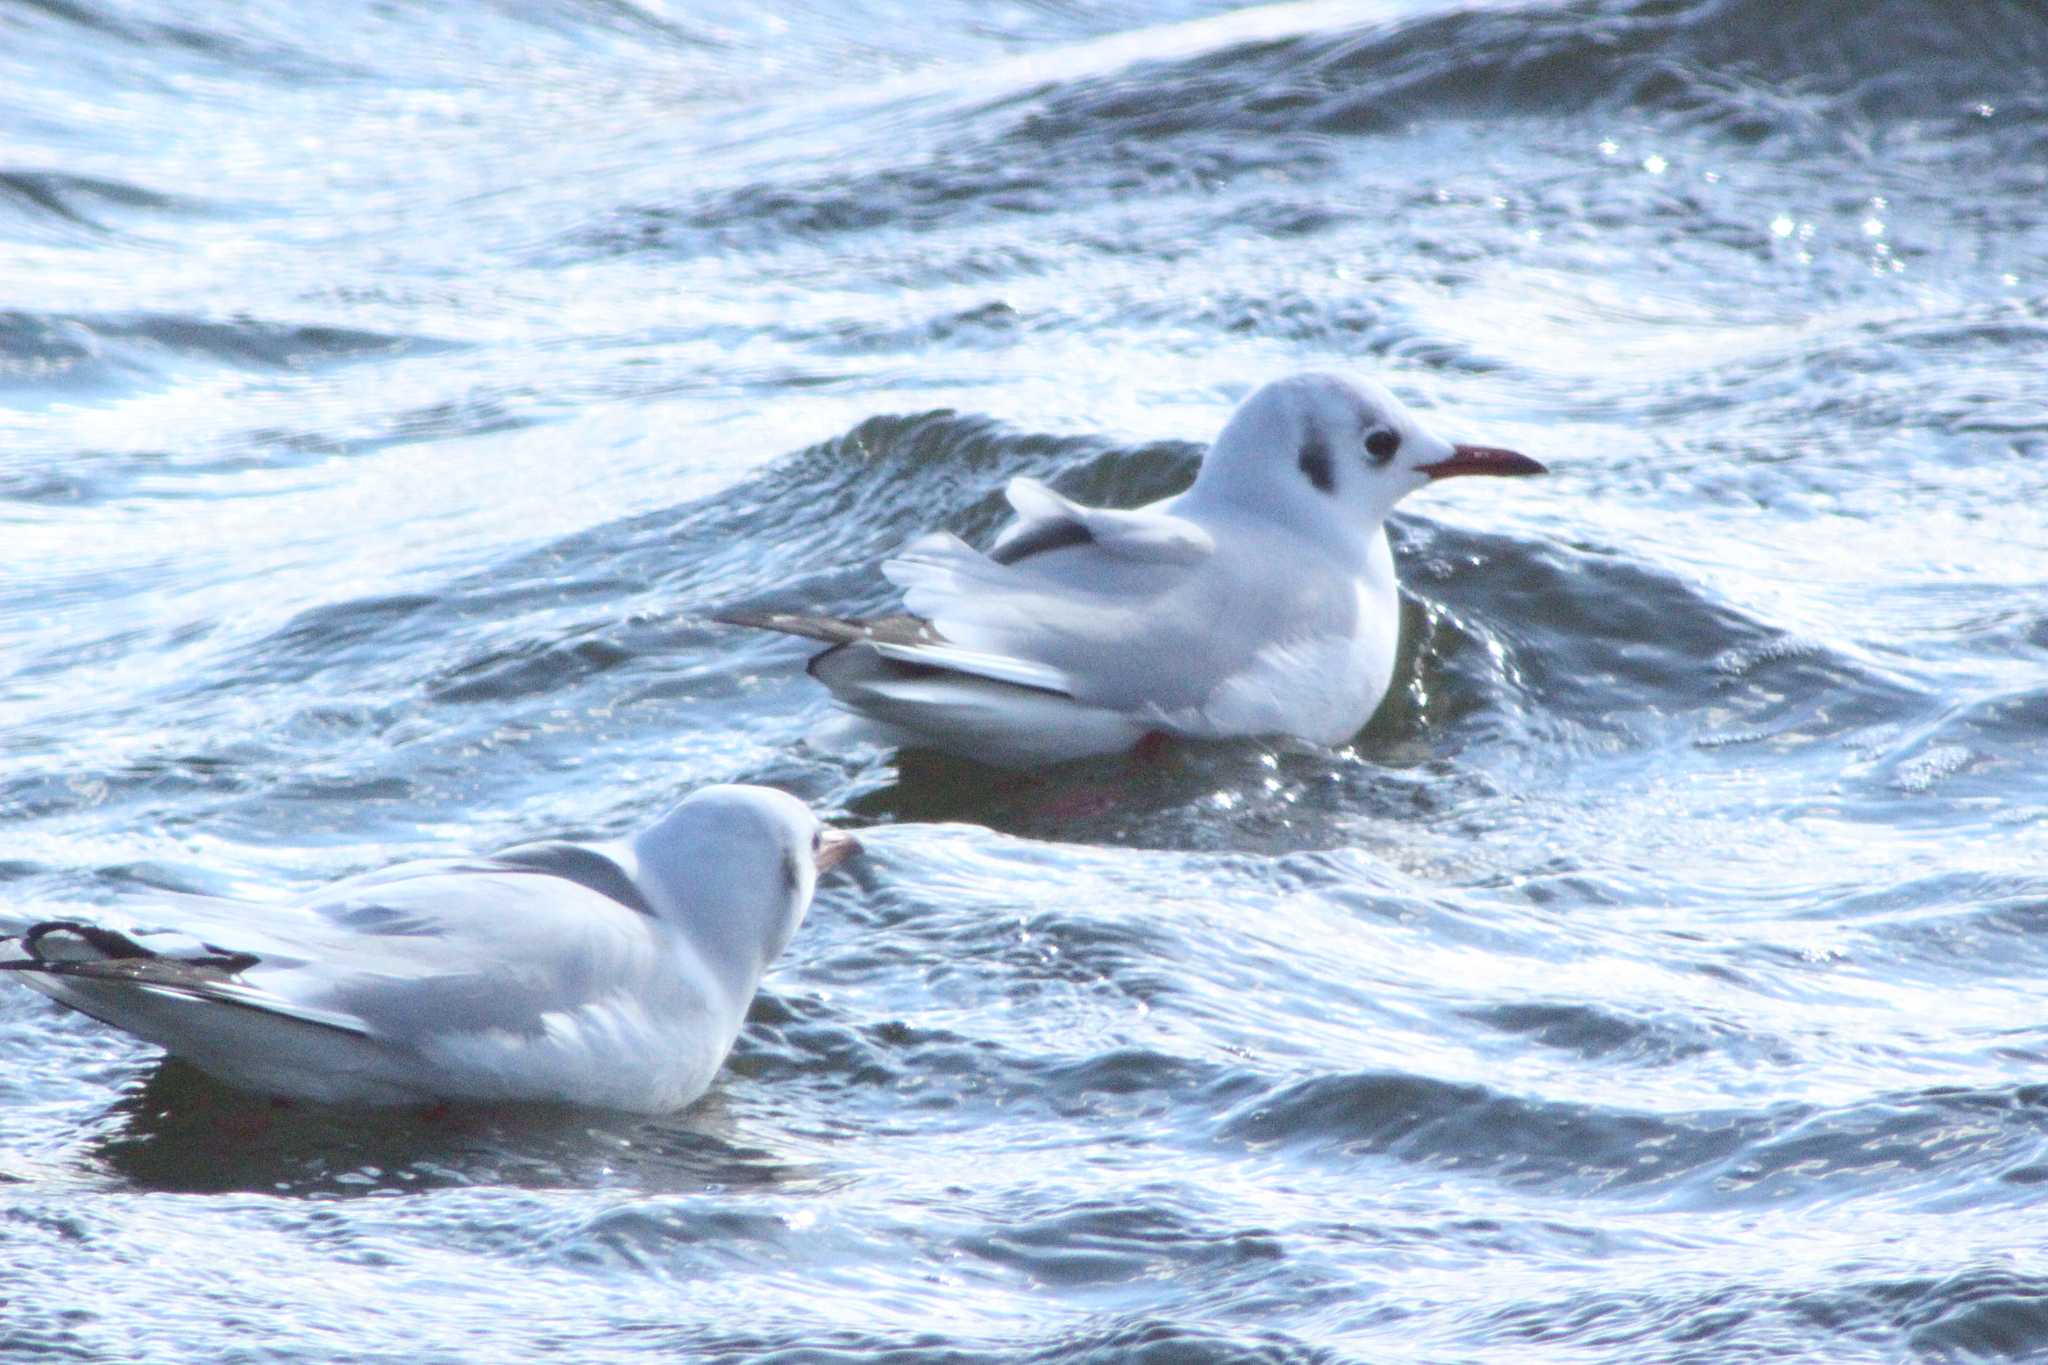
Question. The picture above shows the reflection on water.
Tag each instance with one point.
(179, 1131)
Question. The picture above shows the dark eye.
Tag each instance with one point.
(1382, 444)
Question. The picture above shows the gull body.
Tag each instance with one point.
(610, 974)
(1260, 601)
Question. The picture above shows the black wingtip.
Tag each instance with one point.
(102, 942)
(1041, 538)
(61, 945)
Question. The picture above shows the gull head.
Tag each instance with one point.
(739, 864)
(1330, 450)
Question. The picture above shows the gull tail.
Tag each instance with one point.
(902, 674)
(864, 651)
(194, 1004)
(836, 630)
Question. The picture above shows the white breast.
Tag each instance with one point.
(1321, 682)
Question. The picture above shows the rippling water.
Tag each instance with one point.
(388, 394)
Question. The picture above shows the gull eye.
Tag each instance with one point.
(1382, 444)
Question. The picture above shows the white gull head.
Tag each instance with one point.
(1332, 455)
(735, 867)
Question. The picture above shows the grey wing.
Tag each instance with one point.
(1124, 610)
(1130, 626)
(478, 947)
(1047, 521)
(398, 955)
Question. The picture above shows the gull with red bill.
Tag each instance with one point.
(1260, 601)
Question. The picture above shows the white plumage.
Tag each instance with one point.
(611, 974)
(1262, 600)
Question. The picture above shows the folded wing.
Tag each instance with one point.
(1079, 630)
(400, 957)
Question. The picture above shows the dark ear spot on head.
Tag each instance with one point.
(1315, 462)
(792, 875)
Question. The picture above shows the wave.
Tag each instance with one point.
(1952, 80)
(1751, 67)
(1930, 1143)
(82, 203)
(44, 351)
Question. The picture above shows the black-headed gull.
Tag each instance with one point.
(1261, 601)
(610, 974)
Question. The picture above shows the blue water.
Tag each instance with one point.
(389, 395)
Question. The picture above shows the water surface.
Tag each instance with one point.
(389, 395)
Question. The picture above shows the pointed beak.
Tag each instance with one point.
(835, 846)
(1482, 460)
